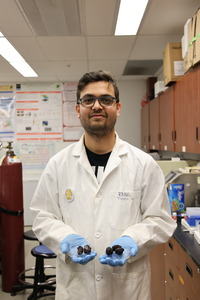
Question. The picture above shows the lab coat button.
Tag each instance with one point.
(98, 277)
(97, 235)
(99, 195)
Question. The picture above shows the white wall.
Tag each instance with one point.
(128, 124)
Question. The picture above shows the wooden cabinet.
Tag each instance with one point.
(145, 127)
(175, 276)
(156, 258)
(154, 130)
(157, 123)
(166, 116)
(190, 274)
(174, 122)
(187, 109)
(172, 270)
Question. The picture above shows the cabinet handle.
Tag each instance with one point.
(170, 245)
(189, 270)
(174, 135)
(197, 133)
(171, 274)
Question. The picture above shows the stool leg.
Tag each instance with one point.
(39, 277)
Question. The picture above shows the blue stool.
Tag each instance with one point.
(42, 282)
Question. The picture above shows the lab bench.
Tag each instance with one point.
(176, 268)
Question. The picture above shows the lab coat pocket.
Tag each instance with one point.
(124, 209)
(136, 286)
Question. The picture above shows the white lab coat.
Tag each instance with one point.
(130, 200)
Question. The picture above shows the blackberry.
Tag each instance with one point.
(119, 251)
(114, 247)
(80, 250)
(109, 251)
(87, 249)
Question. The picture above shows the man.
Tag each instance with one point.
(101, 192)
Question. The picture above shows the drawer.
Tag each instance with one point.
(187, 294)
(189, 271)
(172, 251)
(170, 294)
(172, 277)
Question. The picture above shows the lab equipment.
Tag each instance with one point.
(11, 218)
(192, 215)
(190, 182)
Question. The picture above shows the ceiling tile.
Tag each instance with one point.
(62, 68)
(63, 48)
(64, 57)
(109, 47)
(114, 66)
(167, 17)
(12, 23)
(42, 68)
(155, 45)
(28, 48)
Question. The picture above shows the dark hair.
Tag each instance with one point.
(96, 76)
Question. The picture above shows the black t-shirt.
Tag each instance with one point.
(98, 162)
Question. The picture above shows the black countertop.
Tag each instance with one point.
(188, 243)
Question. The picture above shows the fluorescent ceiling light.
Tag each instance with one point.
(23, 68)
(129, 17)
(14, 58)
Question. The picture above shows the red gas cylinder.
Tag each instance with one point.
(11, 219)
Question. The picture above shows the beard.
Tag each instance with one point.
(98, 129)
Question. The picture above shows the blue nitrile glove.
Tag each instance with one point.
(69, 246)
(130, 249)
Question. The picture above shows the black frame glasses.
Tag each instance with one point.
(104, 101)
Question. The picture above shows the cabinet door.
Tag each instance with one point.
(189, 272)
(172, 251)
(154, 124)
(187, 112)
(197, 100)
(156, 257)
(187, 294)
(172, 284)
(181, 113)
(167, 120)
(145, 127)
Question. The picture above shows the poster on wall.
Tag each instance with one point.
(72, 129)
(7, 113)
(39, 112)
(35, 154)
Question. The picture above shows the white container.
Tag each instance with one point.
(192, 211)
(192, 215)
(159, 87)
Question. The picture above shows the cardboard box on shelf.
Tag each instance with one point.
(173, 65)
(196, 39)
(191, 32)
(192, 38)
